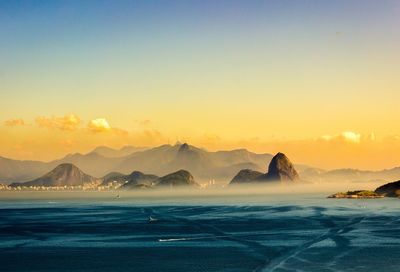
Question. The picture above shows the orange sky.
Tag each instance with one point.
(47, 138)
(319, 80)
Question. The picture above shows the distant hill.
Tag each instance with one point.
(65, 174)
(201, 163)
(350, 175)
(246, 176)
(149, 161)
(132, 180)
(111, 176)
(177, 179)
(138, 180)
(280, 169)
(391, 189)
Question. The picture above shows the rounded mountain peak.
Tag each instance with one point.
(66, 167)
(281, 168)
(65, 174)
(178, 178)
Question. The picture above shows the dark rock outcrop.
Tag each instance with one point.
(65, 174)
(179, 178)
(280, 169)
(391, 189)
(246, 176)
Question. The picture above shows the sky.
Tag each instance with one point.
(318, 80)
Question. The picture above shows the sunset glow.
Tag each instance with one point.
(319, 80)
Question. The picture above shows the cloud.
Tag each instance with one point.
(72, 123)
(68, 122)
(99, 125)
(346, 136)
(14, 122)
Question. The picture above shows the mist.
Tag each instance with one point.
(220, 192)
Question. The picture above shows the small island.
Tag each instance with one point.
(357, 194)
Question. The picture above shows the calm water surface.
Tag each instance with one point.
(230, 233)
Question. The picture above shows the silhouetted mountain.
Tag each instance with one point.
(391, 189)
(203, 164)
(112, 175)
(246, 176)
(63, 175)
(134, 179)
(350, 175)
(148, 161)
(176, 179)
(279, 169)
(192, 158)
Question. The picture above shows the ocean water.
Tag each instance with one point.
(227, 233)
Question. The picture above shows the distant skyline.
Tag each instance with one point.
(318, 80)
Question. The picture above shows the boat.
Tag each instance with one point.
(152, 219)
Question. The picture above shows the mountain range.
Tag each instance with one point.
(280, 170)
(67, 174)
(164, 159)
(159, 161)
(350, 175)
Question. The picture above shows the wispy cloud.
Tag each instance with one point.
(69, 122)
(14, 122)
(99, 125)
(345, 136)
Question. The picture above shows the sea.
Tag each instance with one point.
(235, 233)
